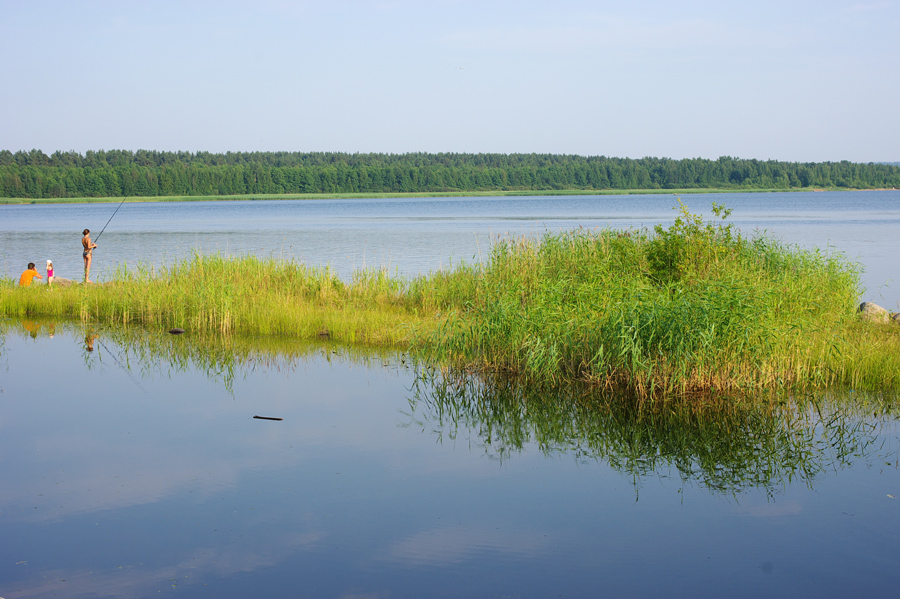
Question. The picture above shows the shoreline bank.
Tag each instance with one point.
(447, 194)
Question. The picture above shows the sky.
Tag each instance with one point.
(794, 80)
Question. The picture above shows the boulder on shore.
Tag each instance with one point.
(62, 282)
(873, 312)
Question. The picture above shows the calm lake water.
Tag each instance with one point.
(133, 467)
(137, 469)
(411, 236)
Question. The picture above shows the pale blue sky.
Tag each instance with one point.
(791, 80)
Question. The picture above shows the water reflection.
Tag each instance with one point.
(227, 359)
(89, 340)
(138, 469)
(727, 448)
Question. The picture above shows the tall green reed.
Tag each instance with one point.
(692, 310)
(695, 308)
(245, 295)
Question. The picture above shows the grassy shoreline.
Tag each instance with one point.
(448, 194)
(692, 311)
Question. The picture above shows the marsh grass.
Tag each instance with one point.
(240, 296)
(693, 311)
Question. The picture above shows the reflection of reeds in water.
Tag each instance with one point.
(225, 358)
(692, 311)
(222, 358)
(765, 443)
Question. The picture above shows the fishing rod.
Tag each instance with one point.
(110, 218)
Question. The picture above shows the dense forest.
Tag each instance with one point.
(150, 173)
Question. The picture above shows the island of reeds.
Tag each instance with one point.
(694, 310)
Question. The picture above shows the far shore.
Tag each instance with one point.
(427, 194)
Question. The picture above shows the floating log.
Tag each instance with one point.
(267, 418)
(176, 331)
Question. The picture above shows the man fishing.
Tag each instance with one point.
(88, 247)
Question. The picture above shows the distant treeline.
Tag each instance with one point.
(149, 173)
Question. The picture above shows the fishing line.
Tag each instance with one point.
(119, 364)
(111, 217)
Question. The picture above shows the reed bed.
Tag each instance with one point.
(235, 296)
(694, 310)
